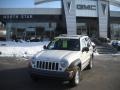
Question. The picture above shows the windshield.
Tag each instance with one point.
(64, 44)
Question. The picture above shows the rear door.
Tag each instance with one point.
(85, 56)
(89, 45)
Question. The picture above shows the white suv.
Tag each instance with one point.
(64, 58)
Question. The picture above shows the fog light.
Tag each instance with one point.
(30, 64)
(71, 74)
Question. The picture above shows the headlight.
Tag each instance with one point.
(64, 63)
(33, 61)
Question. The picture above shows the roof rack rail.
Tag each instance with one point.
(66, 35)
(63, 35)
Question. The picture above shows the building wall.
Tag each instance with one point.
(69, 8)
(86, 8)
(72, 9)
(103, 13)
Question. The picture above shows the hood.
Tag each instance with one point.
(52, 54)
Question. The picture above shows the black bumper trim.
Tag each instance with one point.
(50, 74)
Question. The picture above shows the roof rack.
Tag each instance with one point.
(63, 35)
(66, 35)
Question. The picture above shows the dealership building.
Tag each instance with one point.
(87, 17)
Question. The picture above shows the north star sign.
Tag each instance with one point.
(86, 7)
(17, 16)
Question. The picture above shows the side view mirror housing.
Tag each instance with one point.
(85, 49)
(45, 47)
(0, 53)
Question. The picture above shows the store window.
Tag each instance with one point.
(87, 28)
(30, 31)
(2, 31)
(115, 31)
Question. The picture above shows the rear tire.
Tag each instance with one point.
(76, 79)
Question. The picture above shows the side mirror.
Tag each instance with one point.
(0, 53)
(45, 47)
(85, 49)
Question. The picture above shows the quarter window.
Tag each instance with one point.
(83, 44)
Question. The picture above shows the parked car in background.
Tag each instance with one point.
(116, 44)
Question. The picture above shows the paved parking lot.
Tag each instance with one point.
(105, 75)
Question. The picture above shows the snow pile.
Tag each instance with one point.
(20, 49)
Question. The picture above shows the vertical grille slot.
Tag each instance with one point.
(56, 66)
(50, 65)
(40, 66)
(53, 66)
(37, 64)
(44, 65)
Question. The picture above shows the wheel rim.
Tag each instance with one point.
(77, 78)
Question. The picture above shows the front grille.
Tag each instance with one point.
(44, 65)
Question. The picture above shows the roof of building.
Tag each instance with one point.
(39, 11)
(115, 2)
(115, 13)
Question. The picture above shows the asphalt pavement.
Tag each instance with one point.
(105, 75)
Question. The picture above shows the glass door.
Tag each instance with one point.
(92, 29)
(81, 28)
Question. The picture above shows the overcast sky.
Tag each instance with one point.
(30, 4)
(27, 4)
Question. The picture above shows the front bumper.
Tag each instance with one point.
(67, 75)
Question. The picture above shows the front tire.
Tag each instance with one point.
(76, 79)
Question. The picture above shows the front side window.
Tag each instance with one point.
(65, 44)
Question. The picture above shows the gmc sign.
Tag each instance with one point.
(86, 7)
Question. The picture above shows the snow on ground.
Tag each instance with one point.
(20, 49)
(24, 49)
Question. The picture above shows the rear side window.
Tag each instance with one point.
(88, 41)
(83, 43)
